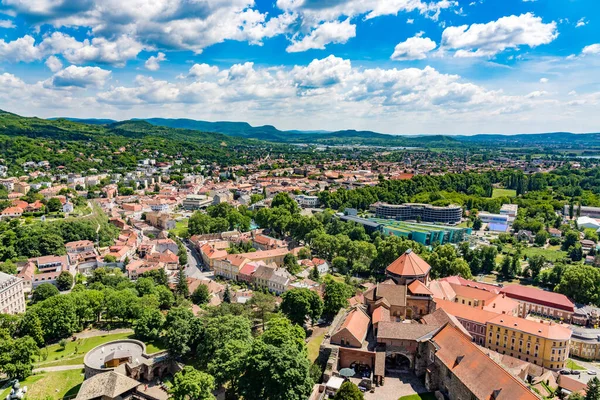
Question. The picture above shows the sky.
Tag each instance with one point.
(392, 66)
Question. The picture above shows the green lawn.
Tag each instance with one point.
(503, 193)
(421, 396)
(51, 385)
(75, 351)
(180, 227)
(551, 254)
(313, 347)
(573, 365)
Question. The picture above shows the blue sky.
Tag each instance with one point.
(394, 66)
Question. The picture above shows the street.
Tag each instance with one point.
(194, 266)
(584, 376)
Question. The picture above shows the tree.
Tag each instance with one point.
(191, 384)
(201, 295)
(217, 331)
(148, 326)
(348, 391)
(17, 356)
(336, 297)
(31, 326)
(505, 267)
(290, 262)
(592, 391)
(159, 276)
(227, 364)
(181, 288)
(178, 331)
(477, 223)
(144, 286)
(340, 264)
(282, 199)
(571, 237)
(581, 283)
(314, 274)
(276, 366)
(263, 304)
(227, 295)
(165, 297)
(299, 304)
(64, 281)
(536, 263)
(43, 292)
(541, 237)
(54, 205)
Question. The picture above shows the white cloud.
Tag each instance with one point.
(537, 93)
(54, 64)
(203, 70)
(6, 24)
(414, 48)
(487, 40)
(162, 24)
(324, 34)
(543, 80)
(21, 49)
(314, 11)
(153, 63)
(79, 77)
(581, 22)
(591, 49)
(410, 21)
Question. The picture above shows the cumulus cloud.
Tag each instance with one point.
(6, 24)
(588, 50)
(21, 49)
(581, 22)
(318, 10)
(543, 80)
(153, 63)
(54, 64)
(328, 32)
(165, 24)
(487, 40)
(79, 77)
(203, 70)
(414, 48)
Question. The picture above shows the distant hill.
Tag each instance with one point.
(345, 137)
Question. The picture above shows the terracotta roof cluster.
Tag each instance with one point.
(481, 375)
(106, 385)
(465, 312)
(409, 264)
(394, 295)
(356, 323)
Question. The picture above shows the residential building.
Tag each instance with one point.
(541, 302)
(196, 202)
(539, 342)
(353, 328)
(306, 201)
(474, 320)
(12, 295)
(510, 209)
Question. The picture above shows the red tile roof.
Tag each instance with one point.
(466, 282)
(356, 323)
(417, 287)
(539, 296)
(480, 374)
(409, 264)
(463, 311)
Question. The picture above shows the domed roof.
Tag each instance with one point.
(409, 264)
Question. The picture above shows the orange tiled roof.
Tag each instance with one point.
(549, 330)
(417, 287)
(465, 312)
(357, 324)
(409, 264)
(479, 373)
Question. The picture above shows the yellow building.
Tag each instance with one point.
(541, 343)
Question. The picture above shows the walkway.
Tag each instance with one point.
(397, 385)
(58, 368)
(97, 332)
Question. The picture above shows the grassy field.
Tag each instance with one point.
(313, 347)
(503, 193)
(422, 396)
(573, 365)
(74, 351)
(180, 227)
(51, 385)
(552, 253)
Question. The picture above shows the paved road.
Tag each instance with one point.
(194, 268)
(584, 376)
(58, 368)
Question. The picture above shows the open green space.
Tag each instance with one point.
(573, 365)
(503, 193)
(180, 227)
(421, 396)
(51, 385)
(551, 254)
(74, 351)
(313, 347)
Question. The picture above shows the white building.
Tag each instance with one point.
(306, 201)
(510, 209)
(12, 297)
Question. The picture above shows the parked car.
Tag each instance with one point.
(575, 372)
(590, 372)
(564, 372)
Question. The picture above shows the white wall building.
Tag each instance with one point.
(12, 297)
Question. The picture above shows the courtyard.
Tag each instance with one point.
(397, 385)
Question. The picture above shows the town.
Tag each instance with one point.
(443, 292)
